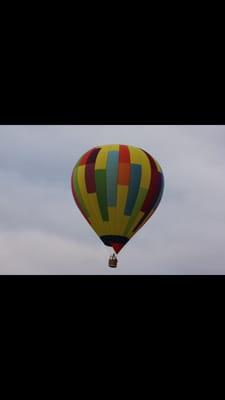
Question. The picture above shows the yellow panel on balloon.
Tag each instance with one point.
(122, 220)
(112, 220)
(82, 187)
(101, 160)
(113, 147)
(101, 226)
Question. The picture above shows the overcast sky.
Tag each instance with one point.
(43, 232)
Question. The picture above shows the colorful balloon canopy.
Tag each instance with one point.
(117, 189)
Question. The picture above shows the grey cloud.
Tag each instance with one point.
(42, 231)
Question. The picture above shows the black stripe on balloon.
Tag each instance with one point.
(92, 157)
(108, 240)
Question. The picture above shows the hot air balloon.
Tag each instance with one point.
(117, 189)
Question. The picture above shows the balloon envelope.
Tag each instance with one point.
(117, 189)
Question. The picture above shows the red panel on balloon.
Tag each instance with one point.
(124, 156)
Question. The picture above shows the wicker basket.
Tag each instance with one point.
(113, 261)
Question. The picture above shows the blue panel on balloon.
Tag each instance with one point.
(134, 185)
